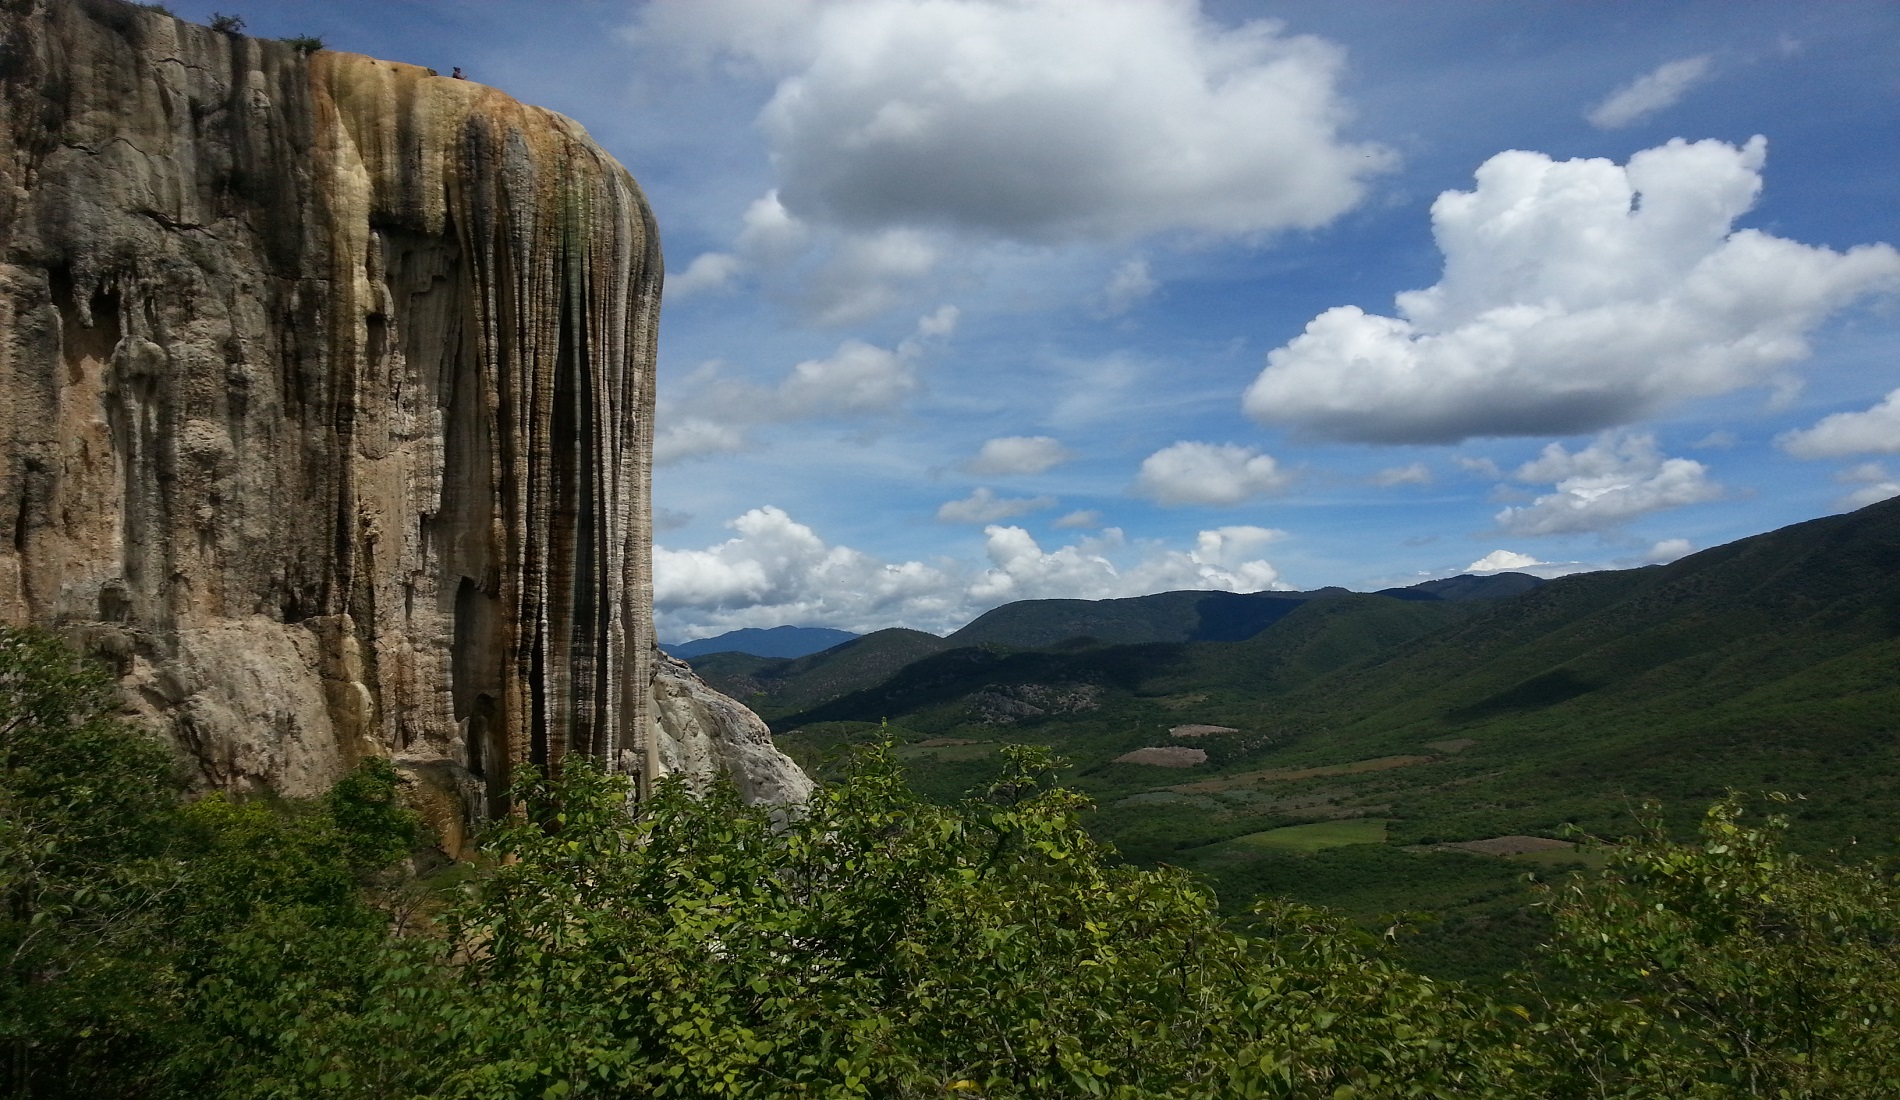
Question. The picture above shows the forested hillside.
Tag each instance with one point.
(1377, 752)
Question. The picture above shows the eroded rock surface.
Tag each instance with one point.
(701, 732)
(326, 397)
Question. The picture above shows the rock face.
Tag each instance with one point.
(326, 397)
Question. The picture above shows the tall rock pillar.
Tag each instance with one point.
(326, 398)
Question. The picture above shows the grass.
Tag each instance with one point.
(1288, 775)
(1320, 835)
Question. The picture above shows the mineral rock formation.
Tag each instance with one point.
(326, 396)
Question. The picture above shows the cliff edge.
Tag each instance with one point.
(326, 410)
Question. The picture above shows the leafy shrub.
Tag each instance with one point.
(84, 805)
(880, 945)
(139, 935)
(1725, 967)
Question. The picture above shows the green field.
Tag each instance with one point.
(1319, 836)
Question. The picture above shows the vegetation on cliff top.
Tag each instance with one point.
(875, 944)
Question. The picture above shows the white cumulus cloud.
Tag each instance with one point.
(865, 274)
(692, 437)
(1576, 295)
(773, 560)
(1415, 474)
(1022, 570)
(769, 235)
(1876, 485)
(1208, 473)
(902, 133)
(984, 506)
(1654, 91)
(710, 413)
(776, 571)
(1018, 454)
(1500, 560)
(1874, 431)
(708, 271)
(1041, 119)
(858, 377)
(1617, 478)
(1130, 283)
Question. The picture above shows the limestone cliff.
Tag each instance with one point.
(326, 397)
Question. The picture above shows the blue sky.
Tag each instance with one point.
(980, 300)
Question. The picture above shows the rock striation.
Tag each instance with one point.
(326, 409)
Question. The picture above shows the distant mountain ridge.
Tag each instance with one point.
(1772, 662)
(1193, 616)
(778, 687)
(779, 641)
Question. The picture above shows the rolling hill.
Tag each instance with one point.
(1771, 663)
(779, 688)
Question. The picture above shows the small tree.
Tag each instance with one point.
(84, 801)
(227, 24)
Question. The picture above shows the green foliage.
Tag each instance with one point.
(139, 935)
(1726, 967)
(1766, 664)
(870, 943)
(877, 944)
(227, 24)
(305, 43)
(83, 808)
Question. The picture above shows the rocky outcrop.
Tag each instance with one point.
(326, 397)
(703, 733)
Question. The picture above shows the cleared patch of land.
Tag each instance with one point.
(1319, 836)
(1165, 756)
(1198, 730)
(1287, 775)
(1511, 845)
(1451, 744)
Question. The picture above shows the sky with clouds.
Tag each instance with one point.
(972, 301)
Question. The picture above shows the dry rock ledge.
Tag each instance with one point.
(326, 411)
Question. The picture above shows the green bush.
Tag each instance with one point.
(1724, 967)
(140, 935)
(879, 945)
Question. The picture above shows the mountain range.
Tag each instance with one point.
(779, 641)
(1413, 749)
(784, 686)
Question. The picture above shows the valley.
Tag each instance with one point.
(1403, 752)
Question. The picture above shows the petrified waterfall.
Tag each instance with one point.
(326, 392)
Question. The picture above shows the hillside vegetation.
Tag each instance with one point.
(1772, 663)
(870, 943)
(777, 688)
